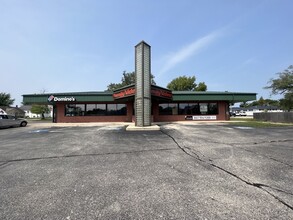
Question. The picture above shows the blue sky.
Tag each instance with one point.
(74, 46)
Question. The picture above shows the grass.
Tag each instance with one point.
(250, 122)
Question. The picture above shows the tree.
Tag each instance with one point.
(261, 102)
(287, 101)
(283, 85)
(201, 87)
(5, 99)
(127, 79)
(40, 110)
(184, 83)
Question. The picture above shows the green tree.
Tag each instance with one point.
(5, 99)
(287, 101)
(201, 87)
(184, 83)
(127, 79)
(261, 101)
(40, 110)
(283, 85)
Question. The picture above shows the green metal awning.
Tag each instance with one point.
(232, 97)
(78, 96)
(177, 96)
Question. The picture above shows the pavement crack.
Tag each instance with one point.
(194, 155)
(271, 158)
(3, 163)
(257, 185)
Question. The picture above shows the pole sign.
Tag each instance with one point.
(53, 98)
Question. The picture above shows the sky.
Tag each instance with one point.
(76, 46)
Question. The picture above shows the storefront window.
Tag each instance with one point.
(121, 109)
(75, 110)
(198, 108)
(213, 109)
(183, 109)
(95, 109)
(90, 109)
(168, 109)
(203, 108)
(194, 108)
(116, 109)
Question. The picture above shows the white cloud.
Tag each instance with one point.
(189, 50)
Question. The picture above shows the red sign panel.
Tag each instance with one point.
(154, 92)
(124, 93)
(161, 93)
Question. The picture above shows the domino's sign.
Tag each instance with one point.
(53, 98)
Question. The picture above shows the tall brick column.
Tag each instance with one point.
(143, 84)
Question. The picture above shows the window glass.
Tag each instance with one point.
(213, 109)
(121, 109)
(75, 110)
(116, 109)
(173, 108)
(168, 109)
(69, 110)
(194, 108)
(100, 109)
(90, 109)
(203, 107)
(183, 109)
(111, 109)
(79, 109)
(163, 109)
(4, 116)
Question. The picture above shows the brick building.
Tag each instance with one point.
(141, 102)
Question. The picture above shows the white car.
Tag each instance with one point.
(241, 113)
(7, 121)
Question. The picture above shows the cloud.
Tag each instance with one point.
(193, 48)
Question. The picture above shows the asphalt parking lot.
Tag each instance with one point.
(184, 171)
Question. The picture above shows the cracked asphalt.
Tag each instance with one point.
(184, 171)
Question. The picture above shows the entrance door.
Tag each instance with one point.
(54, 114)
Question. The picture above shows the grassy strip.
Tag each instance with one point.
(250, 122)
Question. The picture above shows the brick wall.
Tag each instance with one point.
(223, 114)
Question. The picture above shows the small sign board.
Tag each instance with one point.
(201, 117)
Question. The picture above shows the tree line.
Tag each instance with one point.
(181, 83)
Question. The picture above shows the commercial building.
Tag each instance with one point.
(141, 102)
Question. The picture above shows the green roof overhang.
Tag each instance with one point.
(232, 97)
(79, 97)
(177, 96)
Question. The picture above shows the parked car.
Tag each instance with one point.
(232, 114)
(7, 121)
(241, 113)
